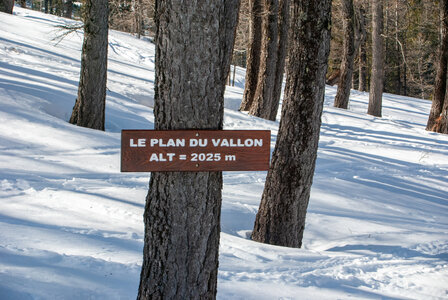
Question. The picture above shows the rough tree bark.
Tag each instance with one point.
(281, 216)
(440, 85)
(441, 123)
(89, 109)
(182, 214)
(283, 28)
(6, 6)
(377, 77)
(253, 58)
(262, 103)
(345, 82)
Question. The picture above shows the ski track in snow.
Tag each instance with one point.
(72, 224)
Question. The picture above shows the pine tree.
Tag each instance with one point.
(68, 9)
(262, 103)
(362, 65)
(281, 217)
(6, 6)
(440, 86)
(182, 213)
(283, 29)
(253, 58)
(377, 77)
(89, 109)
(345, 82)
(438, 117)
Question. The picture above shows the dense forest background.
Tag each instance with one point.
(411, 35)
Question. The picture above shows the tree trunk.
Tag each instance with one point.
(6, 6)
(398, 85)
(441, 76)
(68, 9)
(377, 78)
(362, 86)
(23, 3)
(268, 62)
(182, 214)
(345, 82)
(89, 110)
(283, 28)
(138, 18)
(281, 217)
(405, 69)
(253, 58)
(48, 5)
(441, 123)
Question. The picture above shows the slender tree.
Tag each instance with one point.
(281, 217)
(68, 9)
(89, 109)
(345, 82)
(397, 54)
(48, 4)
(261, 106)
(440, 86)
(362, 85)
(138, 18)
(377, 77)
(182, 213)
(6, 6)
(253, 58)
(283, 28)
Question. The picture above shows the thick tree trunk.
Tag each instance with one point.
(281, 217)
(253, 58)
(440, 86)
(345, 82)
(89, 110)
(268, 61)
(283, 28)
(377, 78)
(182, 214)
(362, 86)
(6, 6)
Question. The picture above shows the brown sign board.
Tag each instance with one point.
(195, 150)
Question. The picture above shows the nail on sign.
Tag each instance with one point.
(195, 150)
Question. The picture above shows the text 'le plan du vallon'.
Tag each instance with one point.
(195, 150)
(203, 143)
(248, 142)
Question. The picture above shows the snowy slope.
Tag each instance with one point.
(71, 224)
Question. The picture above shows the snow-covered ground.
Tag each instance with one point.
(71, 224)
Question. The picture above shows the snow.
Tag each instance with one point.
(71, 225)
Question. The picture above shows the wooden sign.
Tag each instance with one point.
(195, 150)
